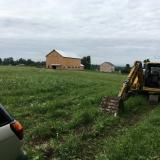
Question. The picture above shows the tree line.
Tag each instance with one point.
(21, 61)
(86, 61)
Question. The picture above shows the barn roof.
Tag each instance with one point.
(108, 63)
(65, 54)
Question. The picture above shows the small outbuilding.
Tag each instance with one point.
(60, 60)
(107, 67)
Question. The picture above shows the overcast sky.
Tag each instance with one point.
(119, 31)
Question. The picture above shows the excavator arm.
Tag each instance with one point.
(134, 82)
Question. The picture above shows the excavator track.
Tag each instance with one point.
(112, 105)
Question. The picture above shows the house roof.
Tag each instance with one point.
(65, 54)
(108, 63)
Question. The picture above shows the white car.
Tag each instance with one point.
(11, 135)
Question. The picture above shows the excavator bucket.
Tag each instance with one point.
(112, 105)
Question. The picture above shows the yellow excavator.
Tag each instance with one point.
(139, 80)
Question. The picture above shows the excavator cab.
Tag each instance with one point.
(152, 75)
(152, 81)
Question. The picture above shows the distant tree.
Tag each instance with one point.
(8, 61)
(126, 69)
(29, 62)
(128, 66)
(145, 61)
(89, 62)
(42, 64)
(95, 67)
(20, 61)
(119, 68)
(86, 61)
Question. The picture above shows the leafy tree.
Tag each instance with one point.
(21, 61)
(146, 60)
(128, 66)
(119, 68)
(8, 61)
(28, 62)
(126, 69)
(86, 61)
(95, 67)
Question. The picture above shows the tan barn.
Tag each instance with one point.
(60, 60)
(107, 67)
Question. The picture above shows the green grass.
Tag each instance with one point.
(62, 118)
(140, 142)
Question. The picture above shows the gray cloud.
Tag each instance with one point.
(119, 31)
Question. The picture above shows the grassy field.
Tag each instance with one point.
(62, 118)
